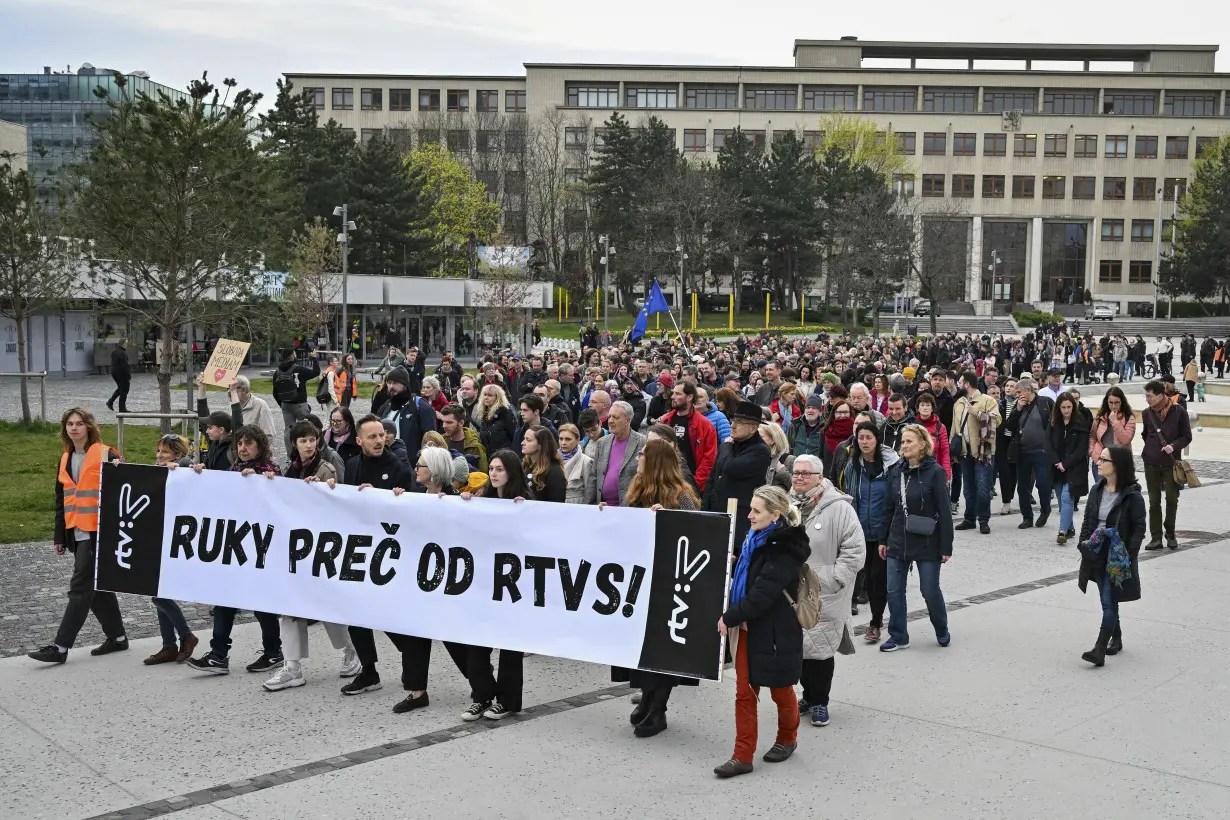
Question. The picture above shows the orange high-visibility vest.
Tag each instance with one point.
(81, 497)
(341, 382)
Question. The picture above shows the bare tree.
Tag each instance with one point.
(940, 256)
(874, 236)
(505, 292)
(315, 283)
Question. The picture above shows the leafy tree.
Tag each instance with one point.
(840, 179)
(788, 213)
(1200, 263)
(173, 200)
(863, 144)
(391, 212)
(35, 271)
(461, 214)
(738, 226)
(315, 283)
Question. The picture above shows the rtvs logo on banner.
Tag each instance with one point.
(130, 511)
(687, 568)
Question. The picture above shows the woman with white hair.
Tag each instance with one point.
(434, 471)
(255, 411)
(778, 473)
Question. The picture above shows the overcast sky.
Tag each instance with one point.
(255, 41)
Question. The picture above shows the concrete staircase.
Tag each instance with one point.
(1218, 327)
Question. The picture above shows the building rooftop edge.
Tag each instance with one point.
(877, 48)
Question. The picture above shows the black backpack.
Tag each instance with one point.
(285, 386)
(323, 394)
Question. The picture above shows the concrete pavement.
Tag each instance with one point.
(1008, 722)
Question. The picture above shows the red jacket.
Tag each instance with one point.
(939, 437)
(703, 437)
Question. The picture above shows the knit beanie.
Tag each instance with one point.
(400, 375)
(816, 400)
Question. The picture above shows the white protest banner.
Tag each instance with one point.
(626, 587)
(225, 361)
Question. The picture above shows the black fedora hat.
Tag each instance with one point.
(748, 411)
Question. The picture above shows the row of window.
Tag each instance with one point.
(1085, 146)
(402, 99)
(845, 98)
(994, 186)
(1140, 271)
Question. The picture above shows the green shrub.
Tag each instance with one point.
(1034, 318)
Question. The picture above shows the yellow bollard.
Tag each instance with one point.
(802, 310)
(695, 305)
(766, 311)
(730, 313)
(559, 292)
(567, 312)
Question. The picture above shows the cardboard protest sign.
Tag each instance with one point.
(225, 362)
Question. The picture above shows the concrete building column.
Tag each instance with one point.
(973, 286)
(1093, 245)
(858, 100)
(1033, 274)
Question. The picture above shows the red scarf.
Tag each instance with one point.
(838, 430)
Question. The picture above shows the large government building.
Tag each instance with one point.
(1066, 158)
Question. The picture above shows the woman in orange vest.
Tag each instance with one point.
(345, 385)
(77, 487)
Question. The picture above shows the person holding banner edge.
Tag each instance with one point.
(77, 495)
(763, 628)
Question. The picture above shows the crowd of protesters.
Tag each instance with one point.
(851, 455)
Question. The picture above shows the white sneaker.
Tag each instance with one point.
(1006, 509)
(350, 664)
(474, 712)
(285, 678)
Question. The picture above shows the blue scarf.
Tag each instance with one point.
(738, 581)
(786, 411)
(1118, 562)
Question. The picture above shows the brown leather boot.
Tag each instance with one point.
(165, 655)
(186, 648)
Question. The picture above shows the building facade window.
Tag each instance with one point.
(1146, 147)
(1190, 104)
(1203, 144)
(600, 137)
(1140, 272)
(514, 183)
(429, 99)
(935, 143)
(906, 142)
(1024, 145)
(1144, 188)
(889, 99)
(830, 98)
(720, 135)
(1173, 187)
(933, 185)
(695, 139)
(1176, 147)
(514, 139)
(964, 145)
(903, 185)
(950, 100)
(992, 186)
(1054, 187)
(1056, 145)
(997, 100)
(574, 138)
(458, 140)
(1064, 252)
(1022, 187)
(1086, 146)
(770, 99)
(1084, 187)
(963, 186)
(813, 140)
(573, 176)
(372, 99)
(487, 101)
(458, 101)
(316, 95)
(1112, 230)
(995, 144)
(758, 139)
(1142, 230)
(711, 97)
(1070, 102)
(401, 99)
(1116, 146)
(343, 99)
(366, 134)
(1114, 188)
(1132, 103)
(427, 136)
(1111, 271)
(487, 141)
(651, 96)
(592, 96)
(514, 102)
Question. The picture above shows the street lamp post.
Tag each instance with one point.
(343, 239)
(994, 267)
(608, 250)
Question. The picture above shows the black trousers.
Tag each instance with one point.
(84, 599)
(817, 680)
(1006, 471)
(876, 583)
(121, 393)
(474, 662)
(415, 655)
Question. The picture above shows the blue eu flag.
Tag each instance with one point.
(655, 302)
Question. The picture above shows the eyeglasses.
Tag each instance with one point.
(1105, 461)
(419, 464)
(802, 474)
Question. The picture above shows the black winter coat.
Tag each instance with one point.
(926, 493)
(496, 433)
(740, 468)
(774, 637)
(1128, 516)
(1071, 448)
(121, 370)
(383, 472)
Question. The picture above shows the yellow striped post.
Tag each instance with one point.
(730, 313)
(766, 310)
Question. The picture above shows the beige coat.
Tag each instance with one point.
(982, 406)
(838, 552)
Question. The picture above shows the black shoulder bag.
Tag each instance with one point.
(915, 524)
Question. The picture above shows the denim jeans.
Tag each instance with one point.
(1065, 506)
(1093, 465)
(1031, 467)
(1130, 367)
(171, 622)
(929, 584)
(224, 622)
(976, 481)
(1110, 607)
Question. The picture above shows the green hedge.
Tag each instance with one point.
(1033, 318)
(1193, 310)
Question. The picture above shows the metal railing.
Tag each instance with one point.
(42, 388)
(188, 421)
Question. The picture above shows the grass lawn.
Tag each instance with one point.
(706, 323)
(27, 482)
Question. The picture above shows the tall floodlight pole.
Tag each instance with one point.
(343, 239)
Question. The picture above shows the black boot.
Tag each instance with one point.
(1097, 655)
(655, 721)
(1116, 642)
(642, 709)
